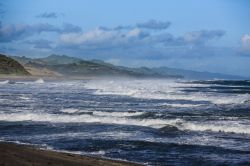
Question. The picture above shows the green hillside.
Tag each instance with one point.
(11, 66)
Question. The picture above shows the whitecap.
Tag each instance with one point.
(24, 98)
(69, 110)
(102, 113)
(100, 152)
(4, 82)
(39, 81)
(226, 126)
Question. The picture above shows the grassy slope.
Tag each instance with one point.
(11, 66)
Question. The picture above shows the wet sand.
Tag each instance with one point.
(22, 155)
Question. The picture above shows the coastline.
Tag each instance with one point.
(12, 154)
(35, 77)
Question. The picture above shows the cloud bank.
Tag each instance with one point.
(147, 40)
(11, 32)
(139, 42)
(149, 43)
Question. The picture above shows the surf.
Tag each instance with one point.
(161, 89)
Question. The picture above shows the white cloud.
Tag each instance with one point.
(90, 37)
(202, 36)
(134, 32)
(154, 25)
(99, 37)
(245, 41)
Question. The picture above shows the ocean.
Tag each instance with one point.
(148, 121)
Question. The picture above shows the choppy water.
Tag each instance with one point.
(154, 122)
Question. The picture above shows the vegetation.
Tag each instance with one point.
(11, 66)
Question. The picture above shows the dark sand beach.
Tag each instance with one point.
(22, 155)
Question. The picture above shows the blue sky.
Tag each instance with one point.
(202, 35)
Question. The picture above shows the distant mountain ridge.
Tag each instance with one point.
(9, 66)
(72, 66)
(59, 59)
(200, 75)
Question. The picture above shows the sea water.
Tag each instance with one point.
(149, 121)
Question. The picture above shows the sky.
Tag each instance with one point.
(200, 35)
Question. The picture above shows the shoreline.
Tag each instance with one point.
(12, 154)
(34, 78)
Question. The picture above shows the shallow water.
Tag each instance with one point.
(154, 122)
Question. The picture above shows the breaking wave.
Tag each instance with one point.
(4, 82)
(125, 119)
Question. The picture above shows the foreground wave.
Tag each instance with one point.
(123, 119)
